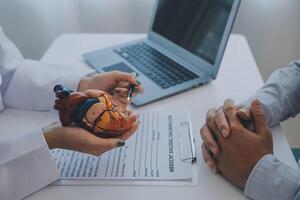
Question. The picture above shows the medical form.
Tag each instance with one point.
(159, 150)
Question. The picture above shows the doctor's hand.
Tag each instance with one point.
(243, 148)
(216, 122)
(78, 139)
(115, 83)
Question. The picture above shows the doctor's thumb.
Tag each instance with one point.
(102, 145)
(112, 143)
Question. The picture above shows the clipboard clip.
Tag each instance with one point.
(186, 142)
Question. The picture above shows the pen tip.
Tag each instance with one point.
(134, 74)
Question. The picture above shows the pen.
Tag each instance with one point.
(131, 88)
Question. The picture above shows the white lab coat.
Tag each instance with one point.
(25, 162)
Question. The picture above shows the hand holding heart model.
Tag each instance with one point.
(94, 110)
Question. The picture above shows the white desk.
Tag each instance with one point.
(239, 78)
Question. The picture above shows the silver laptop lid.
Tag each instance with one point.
(197, 31)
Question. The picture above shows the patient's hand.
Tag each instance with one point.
(216, 122)
(243, 148)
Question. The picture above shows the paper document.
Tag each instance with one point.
(154, 152)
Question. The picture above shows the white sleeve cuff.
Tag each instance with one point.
(26, 165)
(32, 84)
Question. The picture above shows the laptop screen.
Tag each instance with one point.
(195, 25)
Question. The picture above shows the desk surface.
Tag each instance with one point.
(238, 78)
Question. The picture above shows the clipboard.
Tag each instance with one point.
(186, 142)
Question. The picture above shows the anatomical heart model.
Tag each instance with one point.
(99, 112)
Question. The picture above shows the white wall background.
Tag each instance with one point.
(272, 28)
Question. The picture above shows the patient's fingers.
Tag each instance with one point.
(209, 140)
(208, 158)
(210, 120)
(230, 111)
(221, 122)
(244, 113)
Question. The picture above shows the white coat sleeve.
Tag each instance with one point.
(31, 85)
(26, 164)
(28, 84)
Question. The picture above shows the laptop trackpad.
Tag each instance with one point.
(118, 67)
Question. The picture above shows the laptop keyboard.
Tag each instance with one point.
(159, 68)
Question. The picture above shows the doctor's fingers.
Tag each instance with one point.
(209, 160)
(133, 117)
(139, 88)
(124, 91)
(58, 106)
(126, 77)
(119, 76)
(131, 131)
(209, 140)
(122, 96)
(121, 91)
(122, 99)
(130, 119)
(59, 102)
(94, 93)
(101, 145)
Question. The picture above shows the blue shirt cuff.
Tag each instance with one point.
(272, 179)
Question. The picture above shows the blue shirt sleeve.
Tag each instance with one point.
(280, 95)
(273, 180)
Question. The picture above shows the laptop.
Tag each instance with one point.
(183, 50)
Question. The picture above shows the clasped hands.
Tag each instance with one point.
(231, 149)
